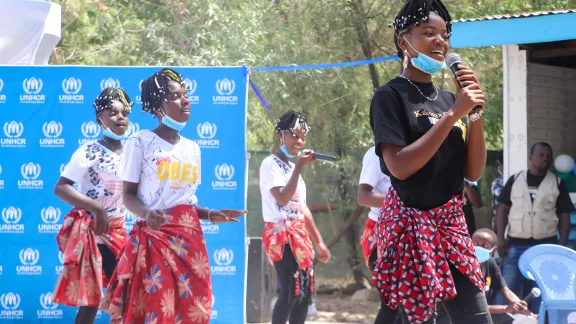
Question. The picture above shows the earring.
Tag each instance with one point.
(405, 63)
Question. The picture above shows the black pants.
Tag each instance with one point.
(468, 307)
(443, 318)
(108, 260)
(287, 308)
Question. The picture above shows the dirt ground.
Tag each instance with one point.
(340, 309)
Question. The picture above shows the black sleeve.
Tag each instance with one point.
(498, 282)
(504, 197)
(388, 120)
(564, 203)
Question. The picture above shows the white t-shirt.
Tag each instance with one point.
(96, 170)
(373, 176)
(275, 173)
(168, 175)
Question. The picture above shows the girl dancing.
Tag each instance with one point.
(163, 275)
(93, 232)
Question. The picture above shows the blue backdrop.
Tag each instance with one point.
(46, 113)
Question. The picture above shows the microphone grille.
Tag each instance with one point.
(536, 292)
(453, 58)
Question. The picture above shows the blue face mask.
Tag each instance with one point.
(482, 254)
(425, 63)
(109, 133)
(285, 150)
(175, 125)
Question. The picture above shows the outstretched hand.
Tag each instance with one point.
(226, 215)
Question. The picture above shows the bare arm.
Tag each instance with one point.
(509, 296)
(367, 198)
(66, 192)
(475, 151)
(403, 162)
(131, 200)
(311, 226)
(502, 220)
(284, 194)
(564, 222)
(473, 195)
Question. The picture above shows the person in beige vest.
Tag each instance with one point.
(534, 209)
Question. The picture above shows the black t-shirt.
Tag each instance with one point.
(400, 115)
(468, 210)
(563, 203)
(493, 279)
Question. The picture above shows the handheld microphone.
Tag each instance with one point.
(325, 157)
(452, 60)
(534, 293)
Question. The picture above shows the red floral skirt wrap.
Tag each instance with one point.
(81, 281)
(368, 241)
(416, 246)
(162, 276)
(292, 232)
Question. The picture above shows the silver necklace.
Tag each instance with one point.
(417, 88)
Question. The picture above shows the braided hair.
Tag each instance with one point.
(290, 120)
(415, 11)
(155, 89)
(109, 95)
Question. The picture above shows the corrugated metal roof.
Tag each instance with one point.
(520, 15)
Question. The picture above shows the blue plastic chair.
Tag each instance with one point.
(553, 267)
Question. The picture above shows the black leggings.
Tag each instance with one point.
(287, 308)
(86, 314)
(468, 307)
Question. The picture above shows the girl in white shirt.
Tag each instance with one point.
(288, 220)
(163, 275)
(374, 186)
(96, 224)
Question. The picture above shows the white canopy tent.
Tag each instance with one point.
(29, 31)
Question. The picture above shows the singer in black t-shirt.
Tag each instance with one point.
(427, 145)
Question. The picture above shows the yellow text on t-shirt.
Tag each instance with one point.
(176, 171)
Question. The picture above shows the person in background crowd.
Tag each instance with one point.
(485, 241)
(533, 204)
(372, 190)
(95, 225)
(288, 220)
(496, 188)
(163, 274)
(472, 199)
(428, 141)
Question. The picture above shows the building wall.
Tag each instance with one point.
(551, 107)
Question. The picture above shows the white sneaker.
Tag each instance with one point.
(312, 311)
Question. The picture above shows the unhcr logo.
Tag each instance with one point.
(191, 86)
(207, 132)
(49, 309)
(10, 303)
(71, 88)
(225, 89)
(11, 217)
(139, 95)
(50, 217)
(60, 267)
(90, 131)
(29, 258)
(13, 132)
(109, 83)
(223, 258)
(30, 172)
(224, 173)
(52, 131)
(33, 88)
(1, 181)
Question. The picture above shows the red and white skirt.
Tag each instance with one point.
(81, 281)
(368, 241)
(416, 246)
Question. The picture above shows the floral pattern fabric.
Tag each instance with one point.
(81, 281)
(293, 232)
(416, 246)
(163, 276)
